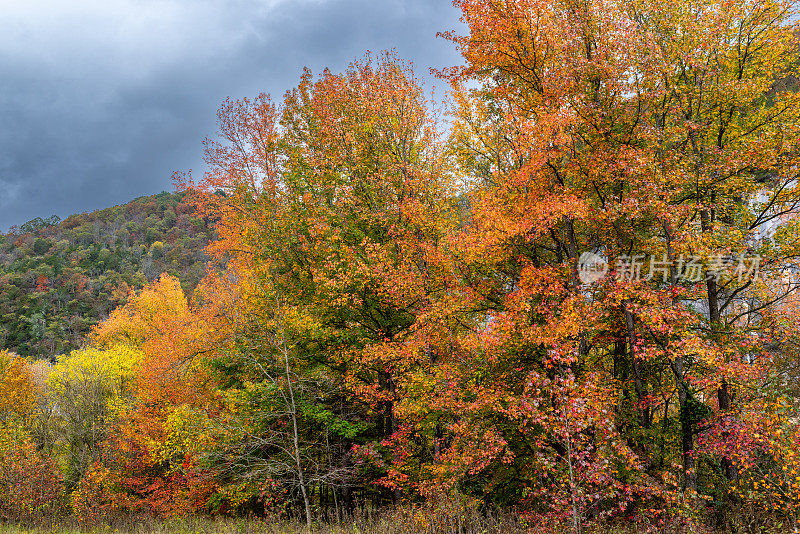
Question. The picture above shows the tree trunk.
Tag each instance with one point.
(642, 411)
(687, 439)
(296, 435)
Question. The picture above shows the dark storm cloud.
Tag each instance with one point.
(101, 101)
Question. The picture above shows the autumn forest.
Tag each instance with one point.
(563, 298)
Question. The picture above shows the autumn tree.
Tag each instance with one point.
(89, 389)
(632, 130)
(17, 388)
(331, 207)
(30, 481)
(136, 391)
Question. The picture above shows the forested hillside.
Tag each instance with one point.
(59, 278)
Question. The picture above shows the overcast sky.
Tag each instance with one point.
(101, 100)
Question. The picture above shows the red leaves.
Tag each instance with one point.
(30, 485)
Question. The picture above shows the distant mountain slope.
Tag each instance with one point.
(58, 278)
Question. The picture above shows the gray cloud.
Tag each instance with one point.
(101, 100)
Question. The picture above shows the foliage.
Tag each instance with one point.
(30, 484)
(17, 388)
(396, 311)
(60, 278)
(90, 390)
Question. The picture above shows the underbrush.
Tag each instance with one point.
(399, 522)
(445, 518)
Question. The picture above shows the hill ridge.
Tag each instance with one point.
(60, 277)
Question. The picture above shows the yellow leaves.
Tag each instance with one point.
(144, 313)
(16, 387)
(237, 494)
(187, 432)
(112, 369)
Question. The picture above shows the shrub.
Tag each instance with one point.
(30, 485)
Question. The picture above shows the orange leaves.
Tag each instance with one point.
(595, 131)
(17, 388)
(100, 497)
(167, 336)
(159, 322)
(143, 316)
(41, 282)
